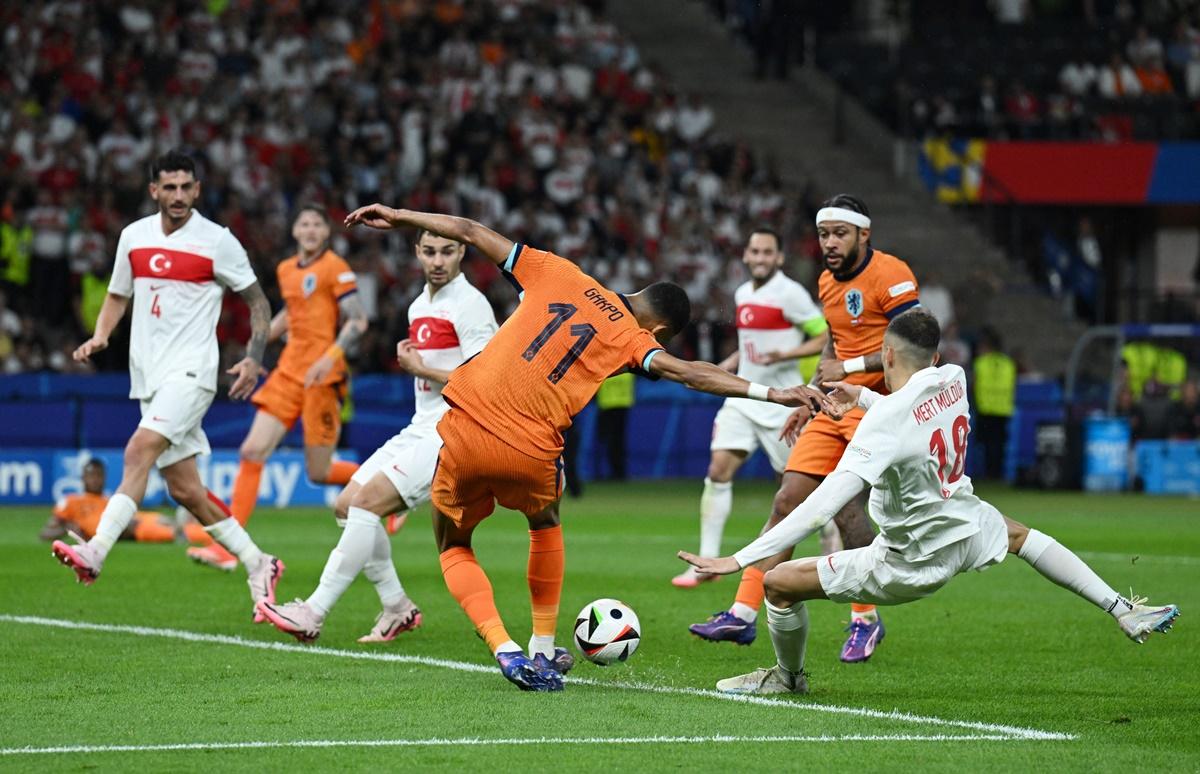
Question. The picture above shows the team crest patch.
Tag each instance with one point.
(854, 302)
(309, 284)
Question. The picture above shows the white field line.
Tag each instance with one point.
(1134, 558)
(1016, 732)
(472, 741)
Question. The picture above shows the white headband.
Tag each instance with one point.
(842, 214)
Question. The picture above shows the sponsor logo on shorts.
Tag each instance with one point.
(860, 451)
(158, 419)
(398, 470)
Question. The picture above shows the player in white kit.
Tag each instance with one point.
(449, 323)
(176, 265)
(911, 449)
(777, 322)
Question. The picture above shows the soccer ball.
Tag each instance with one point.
(607, 631)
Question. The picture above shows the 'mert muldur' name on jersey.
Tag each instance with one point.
(177, 282)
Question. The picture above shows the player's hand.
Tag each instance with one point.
(88, 348)
(409, 357)
(844, 394)
(794, 424)
(800, 395)
(773, 357)
(319, 370)
(374, 215)
(245, 373)
(830, 371)
(724, 565)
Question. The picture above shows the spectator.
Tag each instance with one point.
(1010, 11)
(1154, 79)
(1022, 108)
(1144, 49)
(1117, 80)
(1077, 77)
(1184, 420)
(987, 107)
(937, 299)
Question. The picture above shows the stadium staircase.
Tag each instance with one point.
(831, 141)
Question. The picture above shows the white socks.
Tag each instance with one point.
(744, 612)
(346, 561)
(113, 521)
(715, 504)
(229, 533)
(543, 645)
(380, 570)
(508, 646)
(789, 634)
(1048, 557)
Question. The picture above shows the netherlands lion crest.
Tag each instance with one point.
(309, 284)
(854, 302)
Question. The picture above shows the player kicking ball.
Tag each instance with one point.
(176, 265)
(911, 449)
(448, 323)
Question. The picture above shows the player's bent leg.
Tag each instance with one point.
(738, 623)
(1059, 565)
(545, 576)
(86, 559)
(266, 433)
(716, 503)
(866, 629)
(399, 613)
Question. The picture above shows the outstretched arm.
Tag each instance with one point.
(711, 378)
(818, 508)
(354, 325)
(279, 325)
(465, 230)
(111, 312)
(813, 346)
(247, 371)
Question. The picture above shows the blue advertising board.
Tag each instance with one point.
(1105, 454)
(44, 475)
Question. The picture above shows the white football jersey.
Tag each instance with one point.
(911, 447)
(177, 282)
(448, 329)
(766, 322)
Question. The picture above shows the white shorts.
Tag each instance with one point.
(733, 430)
(408, 460)
(175, 412)
(879, 575)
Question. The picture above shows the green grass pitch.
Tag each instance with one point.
(998, 671)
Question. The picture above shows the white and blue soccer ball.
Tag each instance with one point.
(607, 631)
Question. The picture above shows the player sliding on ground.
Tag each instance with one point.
(176, 265)
(911, 449)
(448, 323)
(502, 437)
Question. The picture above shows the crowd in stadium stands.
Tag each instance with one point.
(1156, 393)
(1132, 86)
(538, 118)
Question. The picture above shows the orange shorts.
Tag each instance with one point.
(287, 400)
(476, 470)
(822, 443)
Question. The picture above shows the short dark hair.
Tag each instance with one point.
(918, 328)
(769, 232)
(847, 202)
(670, 304)
(316, 209)
(94, 462)
(173, 160)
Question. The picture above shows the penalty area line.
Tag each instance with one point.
(472, 741)
(1017, 732)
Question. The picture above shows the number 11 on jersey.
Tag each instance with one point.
(583, 333)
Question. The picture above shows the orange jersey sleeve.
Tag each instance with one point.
(311, 294)
(859, 308)
(83, 509)
(569, 334)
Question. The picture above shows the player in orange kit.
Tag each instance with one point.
(502, 437)
(80, 513)
(862, 289)
(310, 379)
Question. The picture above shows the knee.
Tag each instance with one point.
(773, 587)
(341, 506)
(719, 473)
(544, 520)
(189, 494)
(140, 452)
(784, 503)
(252, 450)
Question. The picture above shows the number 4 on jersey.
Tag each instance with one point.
(938, 447)
(583, 333)
(155, 309)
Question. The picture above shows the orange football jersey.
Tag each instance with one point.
(83, 509)
(860, 307)
(311, 294)
(569, 334)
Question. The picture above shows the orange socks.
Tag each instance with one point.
(245, 490)
(469, 585)
(340, 472)
(545, 574)
(148, 529)
(862, 611)
(750, 590)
